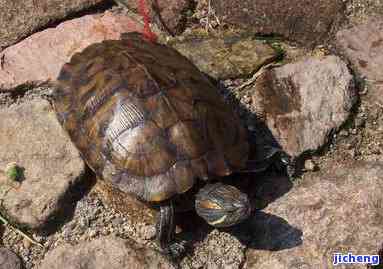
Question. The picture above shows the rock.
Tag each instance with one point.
(310, 165)
(312, 23)
(302, 102)
(339, 210)
(39, 57)
(168, 14)
(104, 253)
(363, 45)
(33, 138)
(19, 19)
(9, 260)
(227, 56)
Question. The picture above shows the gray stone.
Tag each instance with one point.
(339, 210)
(305, 21)
(302, 102)
(228, 56)
(40, 57)
(33, 138)
(105, 253)
(19, 19)
(9, 260)
(363, 46)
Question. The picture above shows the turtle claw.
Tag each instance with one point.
(176, 250)
(266, 157)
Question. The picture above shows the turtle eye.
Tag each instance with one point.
(207, 204)
(211, 212)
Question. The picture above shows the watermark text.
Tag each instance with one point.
(350, 258)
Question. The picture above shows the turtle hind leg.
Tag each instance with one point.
(165, 232)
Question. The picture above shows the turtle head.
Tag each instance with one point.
(222, 205)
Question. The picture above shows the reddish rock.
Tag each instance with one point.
(168, 14)
(19, 19)
(305, 21)
(39, 57)
(363, 46)
(301, 103)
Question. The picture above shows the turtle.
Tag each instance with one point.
(147, 120)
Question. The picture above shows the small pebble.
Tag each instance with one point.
(26, 243)
(92, 233)
(352, 153)
(359, 122)
(310, 165)
(343, 133)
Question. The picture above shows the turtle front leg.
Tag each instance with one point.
(268, 156)
(165, 231)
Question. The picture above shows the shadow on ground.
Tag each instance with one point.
(69, 202)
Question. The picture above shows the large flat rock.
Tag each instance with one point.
(226, 56)
(303, 102)
(39, 57)
(9, 260)
(337, 211)
(19, 19)
(32, 137)
(362, 44)
(305, 21)
(105, 253)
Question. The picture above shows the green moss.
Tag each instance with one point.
(14, 173)
(279, 50)
(269, 38)
(275, 42)
(189, 13)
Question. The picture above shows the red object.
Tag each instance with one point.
(143, 10)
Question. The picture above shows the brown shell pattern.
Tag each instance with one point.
(146, 119)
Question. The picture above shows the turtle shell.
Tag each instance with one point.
(146, 119)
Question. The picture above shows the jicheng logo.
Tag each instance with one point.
(350, 258)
